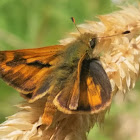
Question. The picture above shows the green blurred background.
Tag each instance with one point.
(35, 23)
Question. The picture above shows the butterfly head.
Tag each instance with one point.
(90, 41)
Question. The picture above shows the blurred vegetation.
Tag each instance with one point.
(30, 23)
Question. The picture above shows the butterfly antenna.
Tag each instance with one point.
(73, 20)
(123, 33)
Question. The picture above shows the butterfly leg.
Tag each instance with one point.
(49, 111)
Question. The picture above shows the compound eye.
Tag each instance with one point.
(92, 43)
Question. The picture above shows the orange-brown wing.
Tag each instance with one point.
(67, 98)
(29, 70)
(94, 90)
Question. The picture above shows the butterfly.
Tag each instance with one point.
(69, 76)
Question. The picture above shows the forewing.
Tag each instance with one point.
(67, 99)
(95, 88)
(29, 70)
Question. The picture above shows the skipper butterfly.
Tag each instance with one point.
(70, 77)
